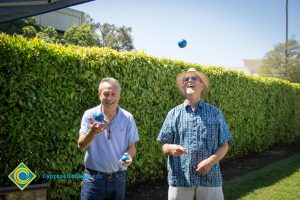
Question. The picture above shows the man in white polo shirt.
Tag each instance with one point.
(105, 143)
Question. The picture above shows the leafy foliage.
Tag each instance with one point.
(29, 31)
(80, 35)
(283, 60)
(16, 27)
(118, 38)
(88, 34)
(48, 34)
(45, 88)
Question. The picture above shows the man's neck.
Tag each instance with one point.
(192, 101)
(109, 113)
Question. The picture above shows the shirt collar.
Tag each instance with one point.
(198, 105)
(99, 111)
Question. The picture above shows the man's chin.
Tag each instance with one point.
(190, 92)
(109, 106)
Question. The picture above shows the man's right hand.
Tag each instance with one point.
(174, 150)
(96, 127)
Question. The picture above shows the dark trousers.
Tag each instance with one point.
(102, 186)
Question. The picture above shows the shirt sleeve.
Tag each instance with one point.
(133, 131)
(224, 132)
(85, 124)
(166, 135)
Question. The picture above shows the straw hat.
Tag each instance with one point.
(201, 75)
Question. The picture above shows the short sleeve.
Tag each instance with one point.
(85, 124)
(133, 131)
(223, 131)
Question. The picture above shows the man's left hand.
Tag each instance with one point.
(127, 162)
(204, 166)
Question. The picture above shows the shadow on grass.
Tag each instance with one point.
(269, 175)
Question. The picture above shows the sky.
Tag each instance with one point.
(218, 32)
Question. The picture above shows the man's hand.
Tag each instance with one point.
(174, 150)
(96, 128)
(205, 166)
(127, 162)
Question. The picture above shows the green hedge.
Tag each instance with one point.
(46, 88)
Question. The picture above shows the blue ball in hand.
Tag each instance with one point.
(124, 158)
(182, 43)
(99, 117)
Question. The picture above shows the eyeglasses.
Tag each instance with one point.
(193, 78)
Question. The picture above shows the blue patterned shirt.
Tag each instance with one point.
(200, 132)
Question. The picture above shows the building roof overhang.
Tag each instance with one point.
(18, 9)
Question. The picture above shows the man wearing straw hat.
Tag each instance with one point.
(195, 137)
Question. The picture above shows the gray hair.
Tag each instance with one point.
(109, 80)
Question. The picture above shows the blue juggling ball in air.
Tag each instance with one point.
(182, 43)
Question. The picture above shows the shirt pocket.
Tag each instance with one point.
(208, 134)
(204, 147)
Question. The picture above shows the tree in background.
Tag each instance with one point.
(28, 31)
(28, 28)
(48, 34)
(88, 34)
(16, 27)
(80, 35)
(283, 60)
(118, 38)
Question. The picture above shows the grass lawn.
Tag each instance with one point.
(277, 181)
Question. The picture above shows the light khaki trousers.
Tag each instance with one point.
(198, 193)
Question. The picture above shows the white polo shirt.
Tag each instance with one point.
(103, 154)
